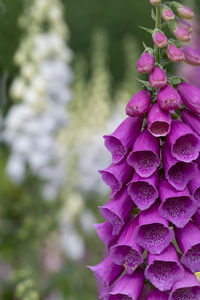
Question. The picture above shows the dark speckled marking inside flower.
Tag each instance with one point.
(159, 128)
(192, 293)
(144, 161)
(163, 271)
(185, 147)
(154, 234)
(177, 207)
(142, 192)
(193, 255)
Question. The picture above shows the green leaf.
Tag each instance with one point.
(146, 84)
(146, 29)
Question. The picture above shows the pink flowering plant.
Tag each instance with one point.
(152, 227)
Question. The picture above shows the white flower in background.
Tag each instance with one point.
(42, 87)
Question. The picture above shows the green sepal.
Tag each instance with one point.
(174, 80)
(176, 43)
(145, 83)
(146, 29)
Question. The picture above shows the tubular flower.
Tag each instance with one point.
(144, 156)
(127, 287)
(167, 14)
(178, 173)
(152, 227)
(186, 288)
(177, 206)
(175, 54)
(168, 98)
(164, 269)
(116, 176)
(117, 211)
(158, 121)
(143, 191)
(153, 232)
(123, 138)
(146, 63)
(190, 96)
(106, 272)
(188, 239)
(139, 104)
(158, 78)
(104, 231)
(126, 252)
(183, 142)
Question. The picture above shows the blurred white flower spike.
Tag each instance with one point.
(42, 88)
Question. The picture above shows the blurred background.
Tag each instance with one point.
(67, 69)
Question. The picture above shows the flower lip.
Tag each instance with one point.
(123, 138)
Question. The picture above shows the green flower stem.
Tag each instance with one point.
(158, 26)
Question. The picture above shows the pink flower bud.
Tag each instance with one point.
(167, 14)
(158, 78)
(185, 25)
(182, 34)
(185, 12)
(168, 98)
(160, 40)
(175, 54)
(139, 104)
(192, 56)
(155, 2)
(146, 63)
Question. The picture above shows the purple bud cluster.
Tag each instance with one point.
(152, 227)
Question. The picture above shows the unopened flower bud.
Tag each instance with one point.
(160, 40)
(180, 33)
(192, 56)
(146, 63)
(168, 98)
(175, 54)
(167, 14)
(155, 2)
(139, 104)
(158, 78)
(185, 25)
(183, 11)
(190, 96)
